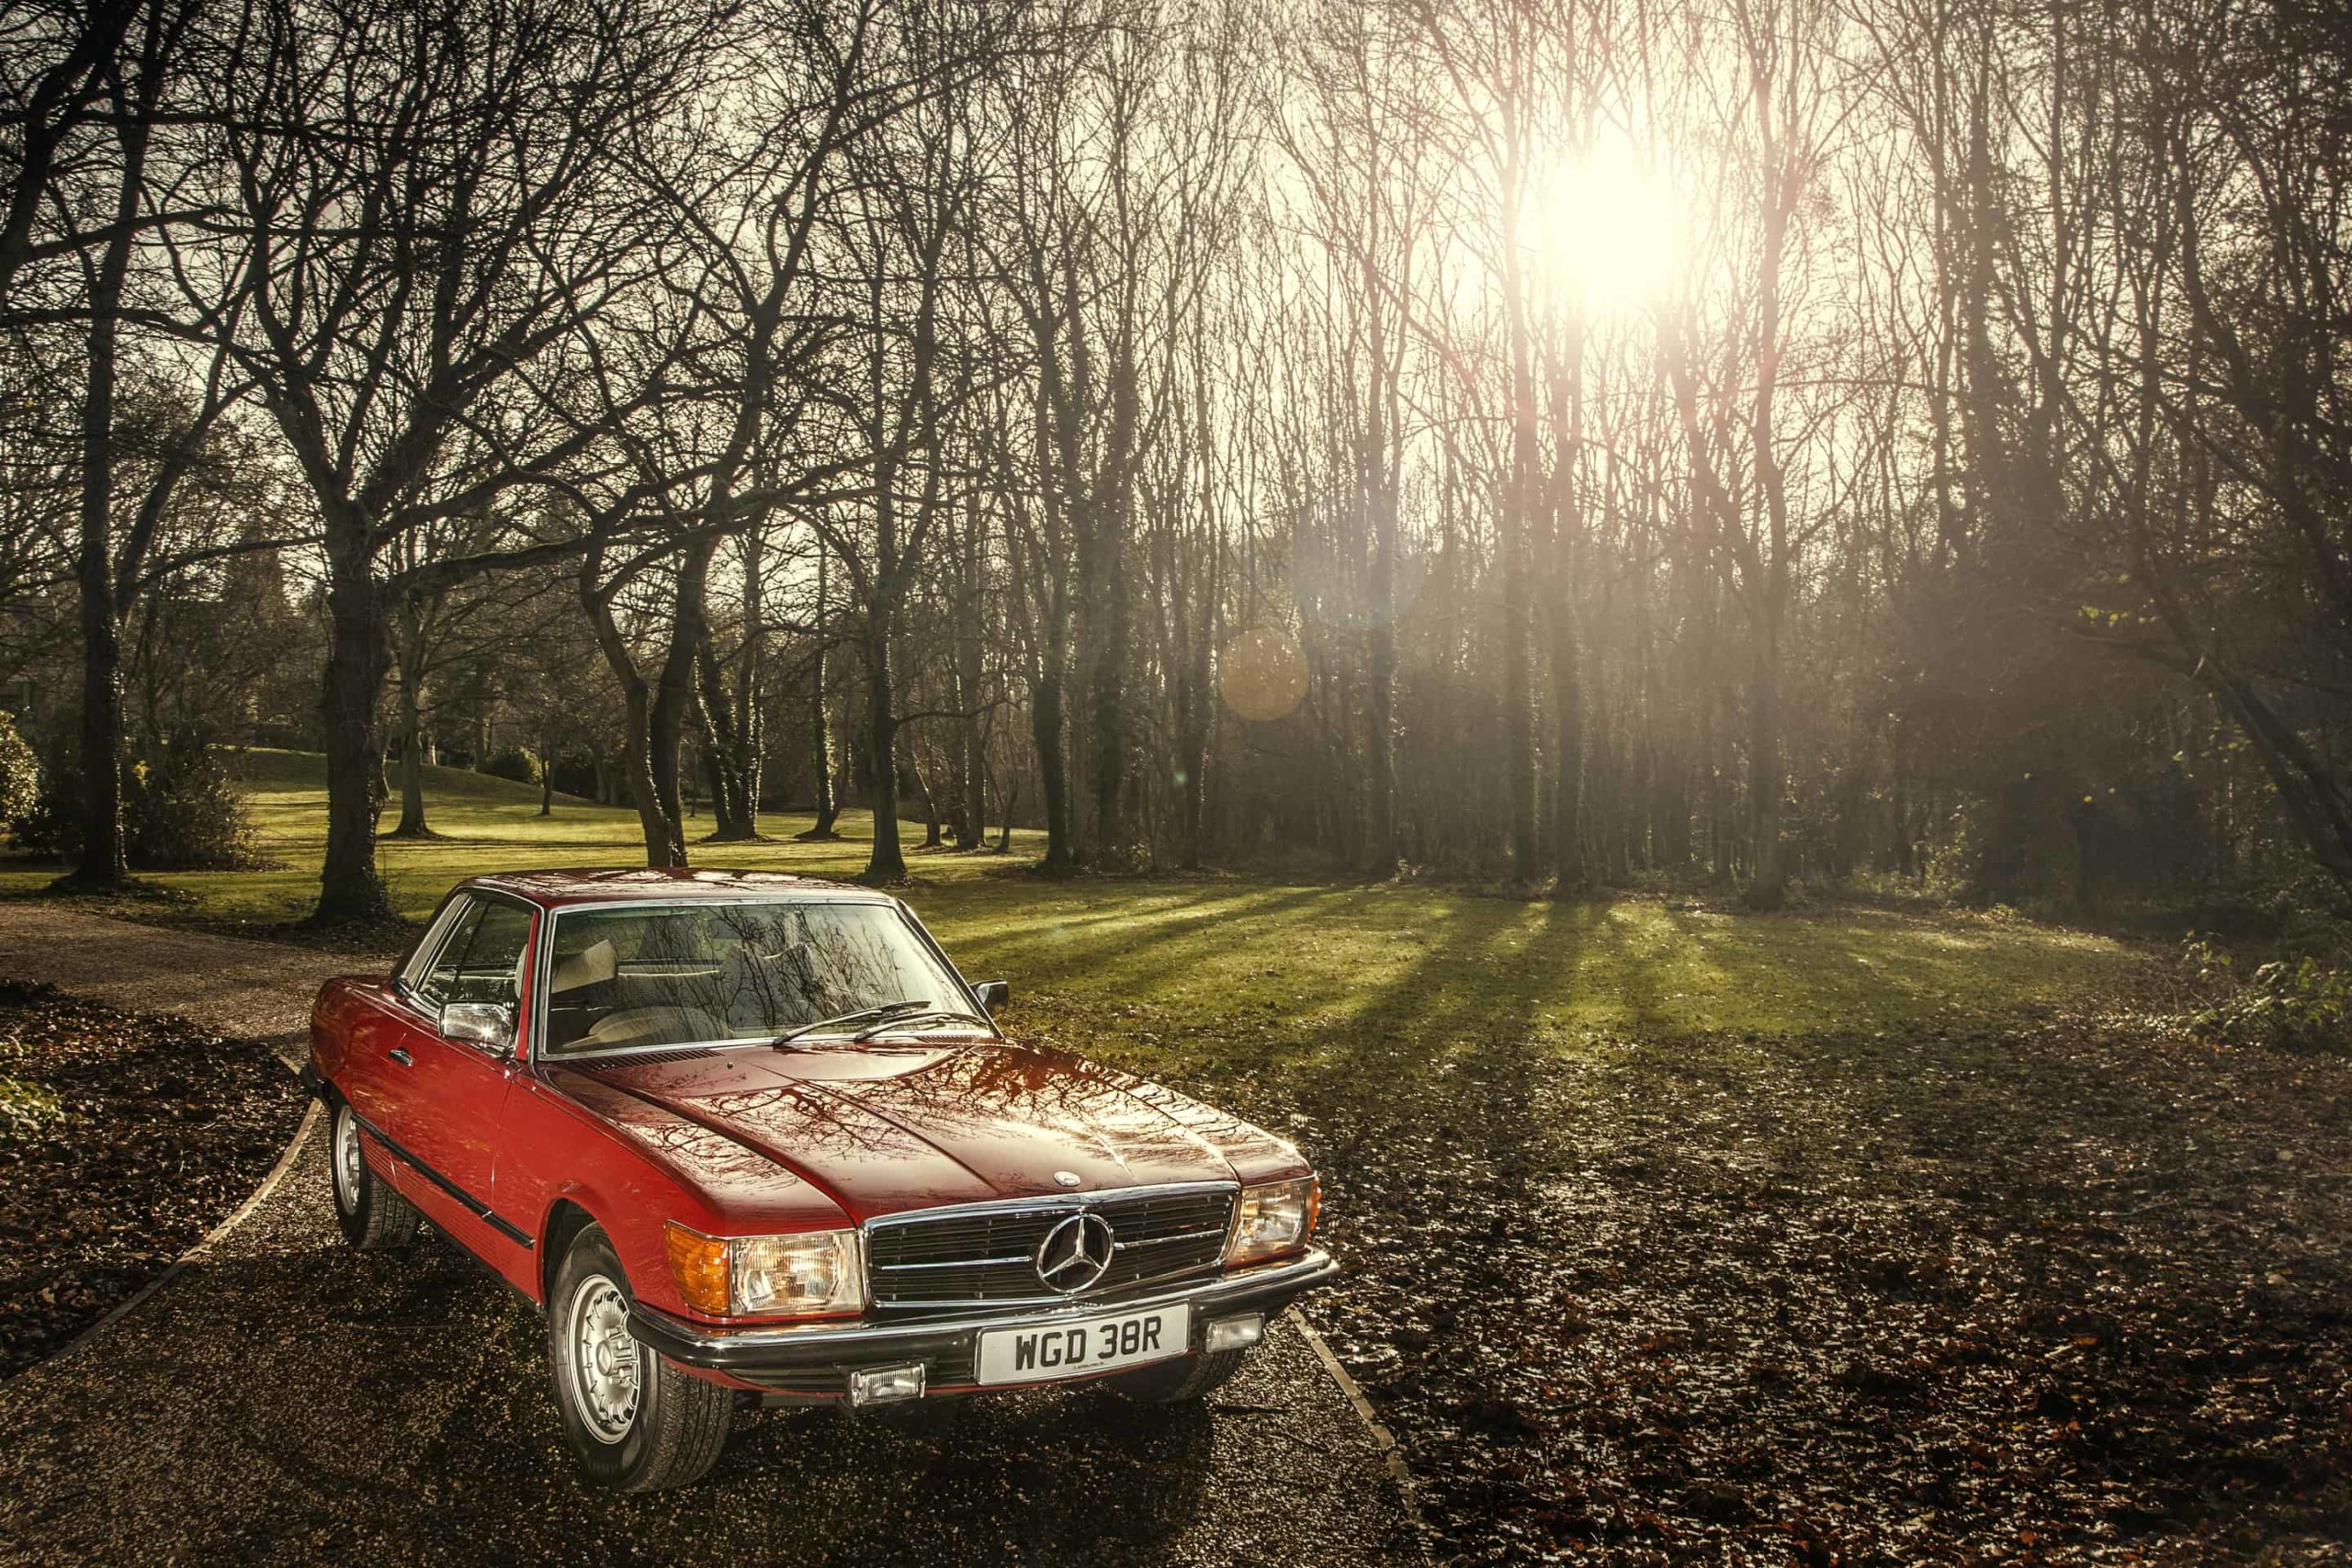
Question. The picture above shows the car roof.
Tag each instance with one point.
(663, 885)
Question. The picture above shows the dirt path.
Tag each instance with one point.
(285, 1399)
(258, 990)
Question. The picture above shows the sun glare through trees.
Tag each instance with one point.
(1605, 233)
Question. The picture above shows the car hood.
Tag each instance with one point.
(889, 1127)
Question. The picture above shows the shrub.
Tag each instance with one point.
(183, 812)
(512, 762)
(575, 773)
(50, 822)
(19, 772)
(2295, 1003)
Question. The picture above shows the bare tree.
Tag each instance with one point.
(428, 213)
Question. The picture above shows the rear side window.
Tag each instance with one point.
(482, 959)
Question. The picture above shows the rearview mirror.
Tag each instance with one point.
(993, 994)
(490, 1025)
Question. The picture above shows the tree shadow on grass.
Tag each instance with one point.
(1873, 1294)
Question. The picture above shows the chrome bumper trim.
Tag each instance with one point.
(819, 1346)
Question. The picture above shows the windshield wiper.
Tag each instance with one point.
(881, 1014)
(928, 1011)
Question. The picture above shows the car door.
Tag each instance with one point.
(450, 1113)
(371, 1055)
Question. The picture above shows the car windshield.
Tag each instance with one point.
(667, 975)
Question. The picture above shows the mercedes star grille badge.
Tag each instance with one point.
(1075, 1253)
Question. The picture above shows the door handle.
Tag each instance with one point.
(399, 1053)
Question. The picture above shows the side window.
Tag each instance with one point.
(431, 987)
(419, 966)
(482, 958)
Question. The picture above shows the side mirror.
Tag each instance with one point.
(490, 1025)
(993, 994)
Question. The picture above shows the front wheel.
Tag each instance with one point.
(371, 1213)
(1176, 1381)
(635, 1421)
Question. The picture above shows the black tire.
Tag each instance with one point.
(667, 1427)
(1180, 1380)
(372, 1215)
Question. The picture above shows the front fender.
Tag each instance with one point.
(633, 1167)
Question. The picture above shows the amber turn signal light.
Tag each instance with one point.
(699, 1264)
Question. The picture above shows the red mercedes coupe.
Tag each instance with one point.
(750, 1137)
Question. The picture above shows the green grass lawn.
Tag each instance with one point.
(1227, 976)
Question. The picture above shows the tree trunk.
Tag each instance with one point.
(1380, 495)
(730, 712)
(820, 726)
(751, 712)
(104, 863)
(972, 826)
(729, 756)
(351, 890)
(1715, 744)
(410, 662)
(1192, 752)
(820, 745)
(411, 823)
(971, 737)
(657, 830)
(932, 824)
(1053, 771)
(1519, 509)
(1567, 796)
(1767, 887)
(654, 828)
(673, 700)
(887, 863)
(1108, 630)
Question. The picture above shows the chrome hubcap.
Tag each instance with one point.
(346, 1160)
(604, 1359)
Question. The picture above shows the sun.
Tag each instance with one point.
(1602, 229)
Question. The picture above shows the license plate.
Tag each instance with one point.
(1090, 1344)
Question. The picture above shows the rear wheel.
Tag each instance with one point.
(1177, 1382)
(371, 1213)
(634, 1420)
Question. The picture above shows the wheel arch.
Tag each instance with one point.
(566, 1219)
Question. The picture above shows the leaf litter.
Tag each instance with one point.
(126, 1138)
(2062, 1287)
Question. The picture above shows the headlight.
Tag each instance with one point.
(820, 1272)
(1274, 1219)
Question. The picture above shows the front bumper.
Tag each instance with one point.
(814, 1361)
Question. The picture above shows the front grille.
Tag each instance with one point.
(985, 1254)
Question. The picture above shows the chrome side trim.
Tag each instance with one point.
(457, 1194)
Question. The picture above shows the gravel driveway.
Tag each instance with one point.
(285, 1398)
(258, 990)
